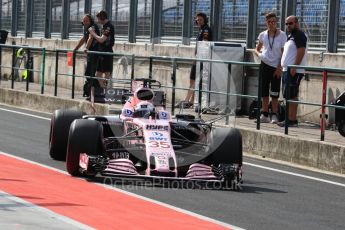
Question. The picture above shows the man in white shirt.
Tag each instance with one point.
(269, 49)
(295, 53)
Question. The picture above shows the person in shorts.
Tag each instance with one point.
(269, 49)
(91, 59)
(295, 53)
(105, 44)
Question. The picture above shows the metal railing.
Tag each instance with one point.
(168, 59)
(323, 105)
(174, 66)
(175, 60)
(74, 75)
(199, 90)
(13, 68)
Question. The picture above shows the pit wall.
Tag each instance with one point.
(310, 91)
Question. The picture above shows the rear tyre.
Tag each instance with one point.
(341, 128)
(59, 128)
(85, 136)
(225, 146)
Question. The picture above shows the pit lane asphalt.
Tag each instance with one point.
(269, 199)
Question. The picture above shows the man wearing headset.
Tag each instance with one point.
(205, 34)
(90, 44)
(105, 42)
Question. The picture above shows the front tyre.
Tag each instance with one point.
(225, 146)
(85, 136)
(226, 156)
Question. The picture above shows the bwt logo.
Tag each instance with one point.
(157, 134)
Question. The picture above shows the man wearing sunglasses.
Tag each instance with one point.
(295, 53)
(269, 49)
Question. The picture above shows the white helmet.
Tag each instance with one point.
(144, 109)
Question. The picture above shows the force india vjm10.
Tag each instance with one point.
(144, 141)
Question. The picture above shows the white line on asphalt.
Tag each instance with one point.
(295, 174)
(136, 196)
(25, 114)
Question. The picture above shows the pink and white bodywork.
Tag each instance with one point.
(158, 146)
(160, 155)
(156, 133)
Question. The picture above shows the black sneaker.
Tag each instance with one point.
(291, 123)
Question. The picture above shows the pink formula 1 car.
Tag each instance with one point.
(144, 141)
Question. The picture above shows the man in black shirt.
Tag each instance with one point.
(105, 44)
(205, 34)
(92, 45)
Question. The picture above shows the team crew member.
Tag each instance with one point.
(269, 49)
(106, 42)
(205, 34)
(90, 44)
(295, 53)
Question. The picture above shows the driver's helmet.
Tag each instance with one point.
(144, 94)
(144, 109)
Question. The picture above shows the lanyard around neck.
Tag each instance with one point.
(269, 41)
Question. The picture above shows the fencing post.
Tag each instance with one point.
(0, 62)
(200, 89)
(150, 67)
(173, 78)
(43, 69)
(56, 71)
(227, 108)
(287, 103)
(258, 111)
(28, 71)
(13, 64)
(323, 108)
(132, 70)
(73, 74)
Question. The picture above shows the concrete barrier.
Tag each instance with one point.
(46, 103)
(311, 153)
(316, 154)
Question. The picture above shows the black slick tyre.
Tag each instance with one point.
(85, 136)
(59, 128)
(225, 147)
